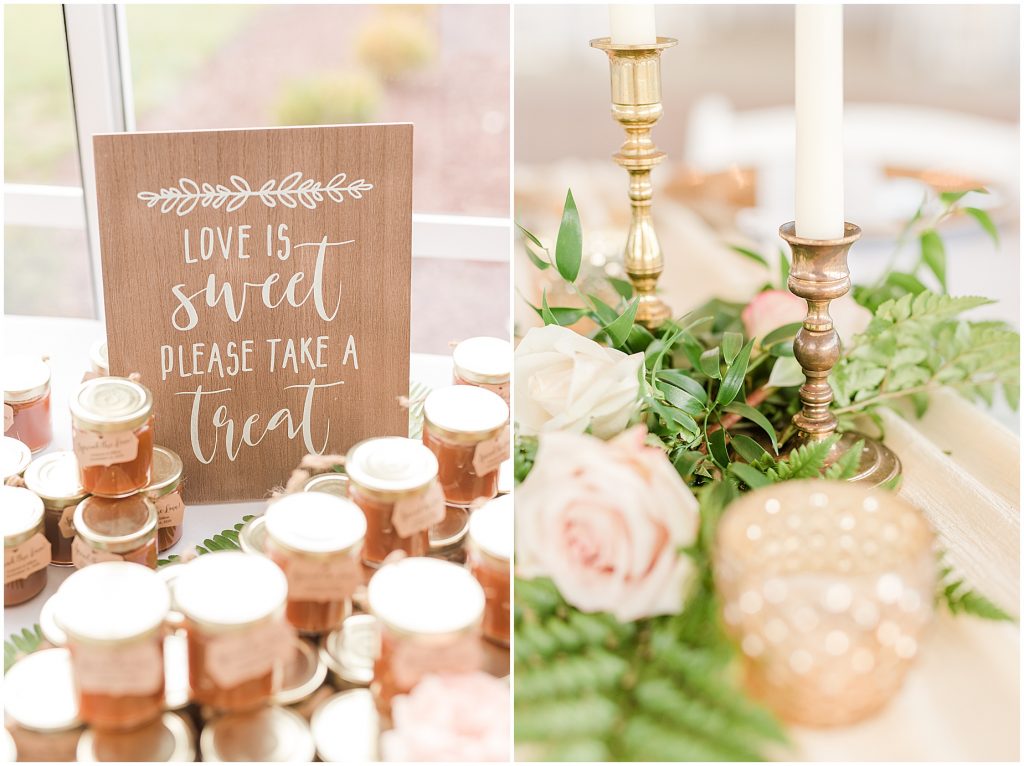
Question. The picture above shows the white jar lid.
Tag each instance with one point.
(483, 360)
(111, 403)
(98, 355)
(425, 596)
(14, 457)
(21, 512)
(346, 727)
(492, 527)
(315, 522)
(39, 692)
(465, 409)
(55, 477)
(229, 589)
(25, 377)
(391, 464)
(112, 601)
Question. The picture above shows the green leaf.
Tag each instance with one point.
(618, 331)
(685, 382)
(683, 400)
(20, 644)
(732, 342)
(686, 462)
(622, 287)
(569, 245)
(907, 282)
(535, 259)
(951, 198)
(783, 269)
(748, 449)
(708, 363)
(752, 255)
(786, 332)
(734, 376)
(985, 221)
(749, 475)
(959, 598)
(933, 253)
(717, 448)
(848, 464)
(755, 416)
(559, 315)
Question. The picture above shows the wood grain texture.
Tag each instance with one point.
(143, 258)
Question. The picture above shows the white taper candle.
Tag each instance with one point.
(632, 24)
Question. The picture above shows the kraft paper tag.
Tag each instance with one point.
(418, 512)
(170, 510)
(414, 659)
(8, 417)
(22, 560)
(83, 554)
(66, 525)
(240, 655)
(135, 669)
(93, 448)
(491, 453)
(333, 580)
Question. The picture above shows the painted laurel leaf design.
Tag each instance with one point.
(291, 191)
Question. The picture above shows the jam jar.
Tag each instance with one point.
(115, 529)
(168, 739)
(112, 430)
(55, 478)
(98, 359)
(165, 491)
(429, 612)
(238, 639)
(317, 540)
(491, 532)
(333, 483)
(394, 481)
(467, 429)
(41, 706)
(14, 458)
(26, 549)
(27, 401)
(484, 362)
(114, 615)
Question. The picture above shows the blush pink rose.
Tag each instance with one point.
(774, 308)
(606, 521)
(455, 717)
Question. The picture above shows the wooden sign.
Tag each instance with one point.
(258, 280)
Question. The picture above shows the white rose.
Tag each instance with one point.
(606, 521)
(566, 382)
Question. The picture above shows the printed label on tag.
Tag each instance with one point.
(414, 659)
(8, 417)
(66, 525)
(83, 554)
(92, 448)
(491, 453)
(22, 560)
(418, 512)
(240, 655)
(133, 669)
(170, 510)
(328, 580)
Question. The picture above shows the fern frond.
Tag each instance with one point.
(19, 644)
(960, 598)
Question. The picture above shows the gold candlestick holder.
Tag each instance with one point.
(636, 104)
(820, 274)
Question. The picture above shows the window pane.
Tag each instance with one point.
(39, 141)
(47, 272)
(444, 68)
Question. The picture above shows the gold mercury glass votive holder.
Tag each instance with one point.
(827, 587)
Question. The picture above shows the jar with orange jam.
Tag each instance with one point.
(26, 549)
(394, 481)
(233, 605)
(112, 431)
(165, 491)
(467, 429)
(316, 539)
(491, 532)
(114, 615)
(484, 362)
(27, 401)
(54, 477)
(115, 529)
(429, 612)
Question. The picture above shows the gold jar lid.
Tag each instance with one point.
(391, 465)
(425, 596)
(112, 602)
(458, 412)
(111, 404)
(165, 474)
(169, 739)
(346, 727)
(350, 651)
(315, 522)
(333, 483)
(25, 378)
(56, 479)
(492, 528)
(99, 358)
(450, 531)
(14, 457)
(177, 692)
(270, 734)
(117, 525)
(303, 674)
(253, 536)
(229, 590)
(22, 512)
(39, 692)
(483, 360)
(52, 632)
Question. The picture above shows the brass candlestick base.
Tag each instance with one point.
(636, 104)
(820, 274)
